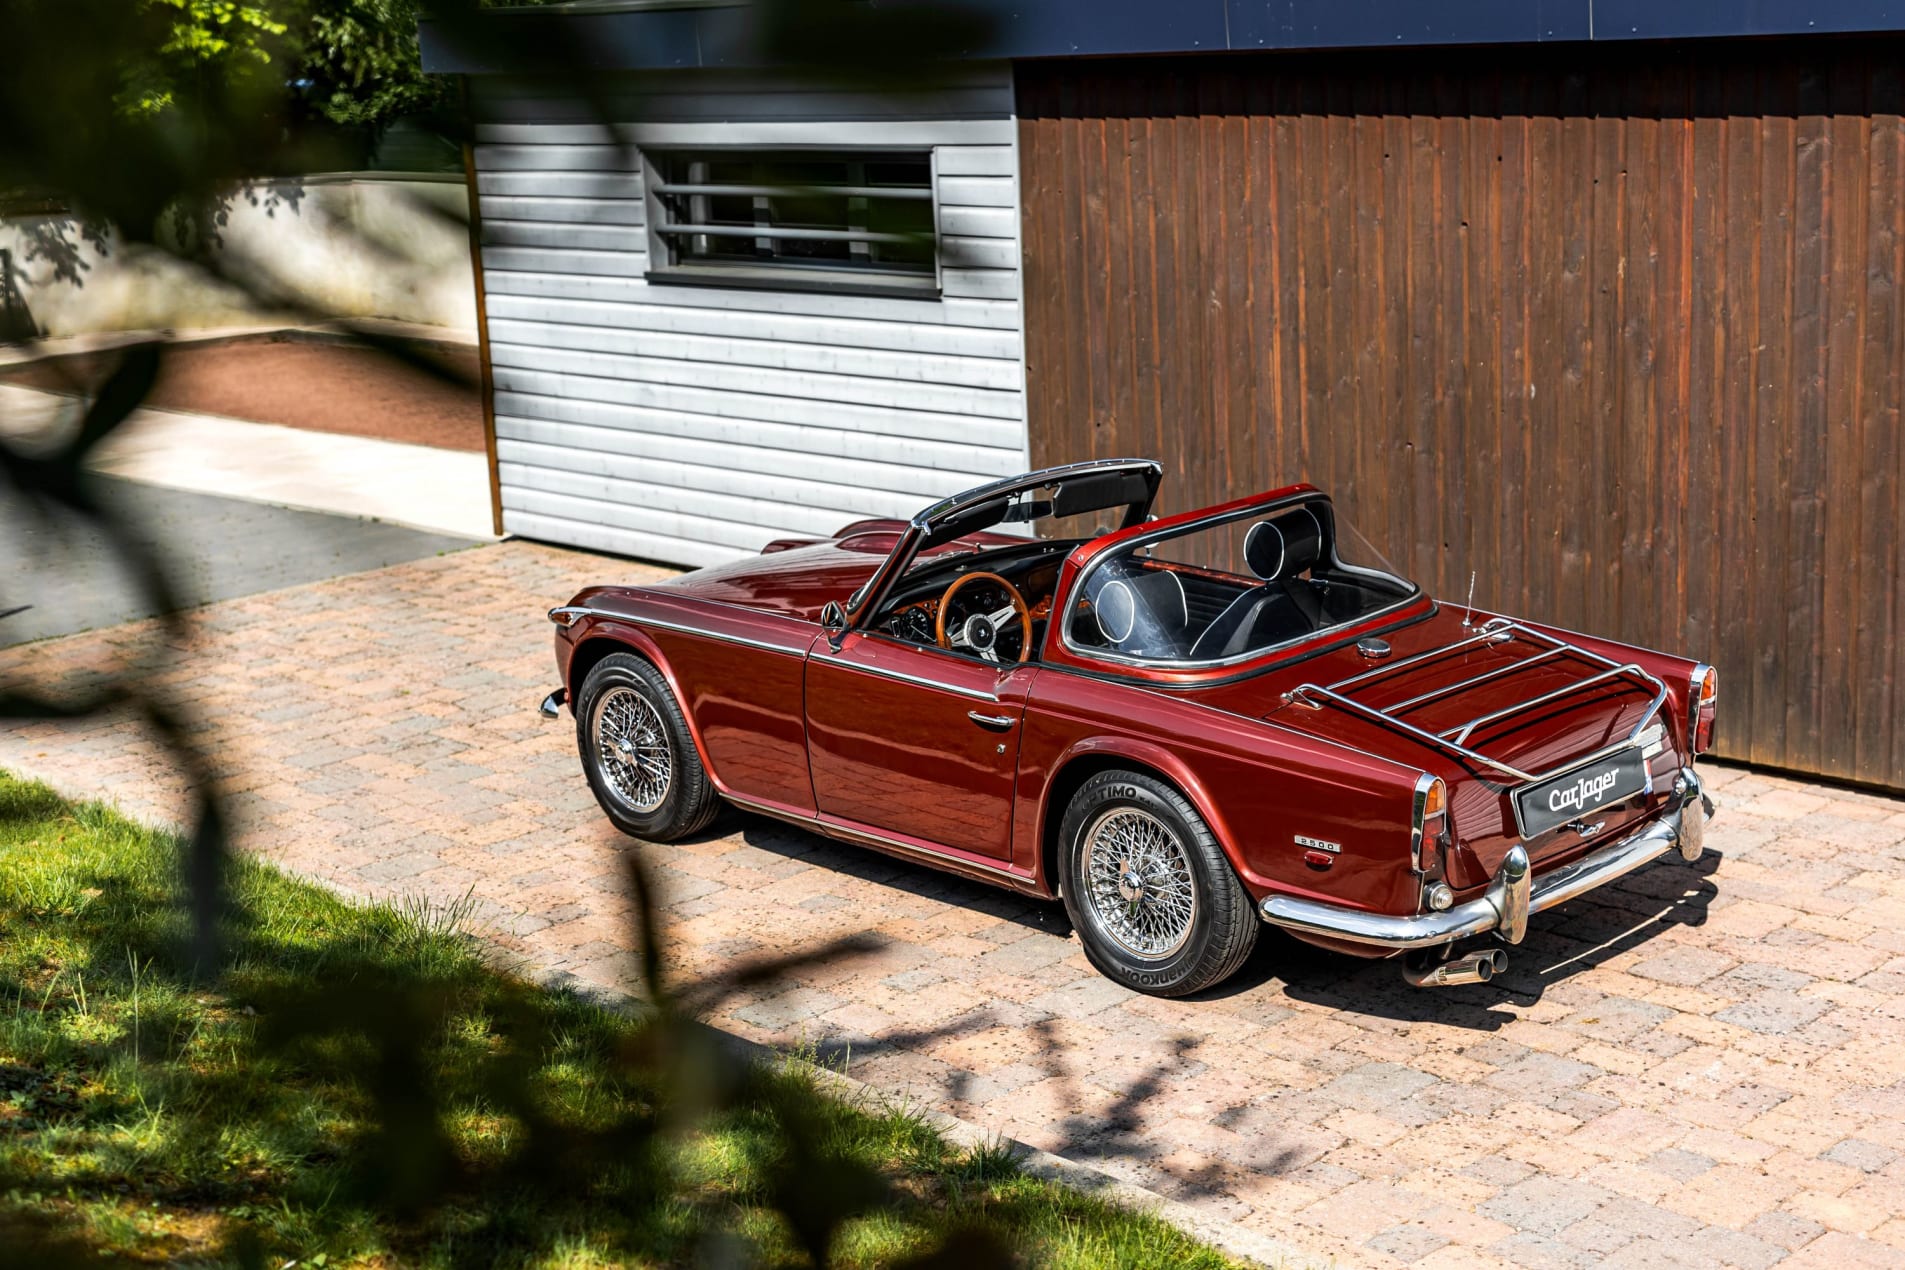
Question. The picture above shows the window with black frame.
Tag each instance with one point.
(795, 219)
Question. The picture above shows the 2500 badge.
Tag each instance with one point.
(1580, 792)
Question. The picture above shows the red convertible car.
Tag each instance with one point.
(1183, 727)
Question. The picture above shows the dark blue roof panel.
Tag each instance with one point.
(647, 37)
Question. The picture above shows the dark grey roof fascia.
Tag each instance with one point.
(643, 35)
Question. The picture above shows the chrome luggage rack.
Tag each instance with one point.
(1455, 740)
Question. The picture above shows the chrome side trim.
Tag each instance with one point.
(747, 642)
(683, 627)
(923, 681)
(1511, 897)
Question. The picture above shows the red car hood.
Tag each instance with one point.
(796, 581)
(797, 577)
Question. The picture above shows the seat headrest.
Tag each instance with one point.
(1147, 603)
(1284, 547)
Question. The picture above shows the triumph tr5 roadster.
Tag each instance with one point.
(1182, 727)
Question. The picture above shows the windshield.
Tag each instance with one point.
(1233, 589)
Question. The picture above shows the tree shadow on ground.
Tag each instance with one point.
(1561, 944)
(904, 876)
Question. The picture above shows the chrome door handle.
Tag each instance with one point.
(997, 722)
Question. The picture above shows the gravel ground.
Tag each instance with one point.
(320, 385)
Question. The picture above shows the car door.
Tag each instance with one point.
(915, 743)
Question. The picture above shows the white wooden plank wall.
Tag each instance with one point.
(693, 425)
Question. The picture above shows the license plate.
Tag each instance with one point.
(1580, 792)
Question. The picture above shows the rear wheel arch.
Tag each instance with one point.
(1152, 894)
(1087, 760)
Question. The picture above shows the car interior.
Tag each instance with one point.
(1285, 582)
(1291, 584)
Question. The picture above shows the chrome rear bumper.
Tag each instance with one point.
(551, 707)
(1513, 895)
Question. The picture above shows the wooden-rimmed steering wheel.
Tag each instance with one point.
(979, 633)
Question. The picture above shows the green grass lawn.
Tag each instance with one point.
(358, 1087)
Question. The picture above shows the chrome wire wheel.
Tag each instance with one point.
(633, 748)
(1138, 883)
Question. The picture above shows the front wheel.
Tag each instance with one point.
(638, 753)
(1153, 899)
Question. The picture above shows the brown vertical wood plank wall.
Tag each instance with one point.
(1619, 328)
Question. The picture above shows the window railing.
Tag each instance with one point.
(801, 219)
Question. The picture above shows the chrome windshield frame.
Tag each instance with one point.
(867, 600)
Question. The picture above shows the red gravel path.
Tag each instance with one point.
(323, 386)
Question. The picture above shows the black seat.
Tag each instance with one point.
(1285, 607)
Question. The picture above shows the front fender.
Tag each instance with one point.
(593, 631)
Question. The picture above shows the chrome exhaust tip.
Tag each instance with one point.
(1475, 967)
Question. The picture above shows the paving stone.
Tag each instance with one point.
(1611, 1026)
(1545, 1205)
(1639, 1220)
(1786, 1230)
(1499, 1170)
(777, 1014)
(1751, 976)
(1535, 1251)
(1717, 1246)
(1867, 1157)
(1677, 1164)
(1776, 1011)
(1596, 1235)
(1374, 1086)
(1538, 1076)
(1407, 1243)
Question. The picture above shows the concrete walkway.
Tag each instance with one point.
(63, 577)
(1699, 1066)
(422, 487)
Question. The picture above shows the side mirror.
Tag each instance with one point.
(833, 620)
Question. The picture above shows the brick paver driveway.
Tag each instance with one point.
(1704, 1065)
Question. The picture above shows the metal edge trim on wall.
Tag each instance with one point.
(488, 378)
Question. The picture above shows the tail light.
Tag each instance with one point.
(1431, 826)
(1703, 698)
